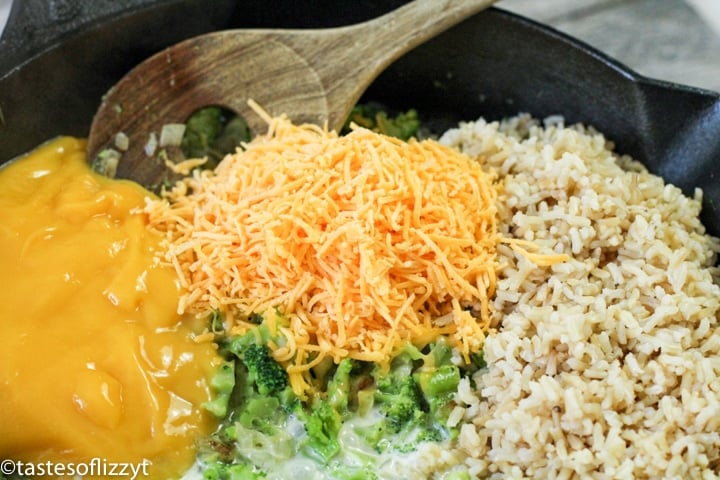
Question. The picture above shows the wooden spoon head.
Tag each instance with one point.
(222, 69)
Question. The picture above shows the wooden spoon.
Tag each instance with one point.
(312, 75)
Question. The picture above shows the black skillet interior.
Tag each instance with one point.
(493, 65)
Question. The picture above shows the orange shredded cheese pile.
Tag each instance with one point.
(362, 242)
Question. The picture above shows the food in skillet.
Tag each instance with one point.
(340, 259)
(595, 366)
(595, 355)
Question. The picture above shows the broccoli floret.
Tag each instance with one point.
(260, 335)
(403, 126)
(373, 117)
(478, 360)
(235, 131)
(415, 396)
(323, 419)
(430, 434)
(442, 381)
(213, 132)
(223, 383)
(438, 387)
(439, 375)
(397, 393)
(264, 374)
(224, 471)
(263, 370)
(402, 405)
(263, 450)
(202, 128)
(322, 425)
(339, 386)
(399, 400)
(260, 413)
(374, 434)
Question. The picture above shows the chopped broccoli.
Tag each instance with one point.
(397, 393)
(399, 406)
(442, 381)
(403, 126)
(478, 360)
(405, 421)
(409, 441)
(259, 335)
(263, 450)
(438, 387)
(255, 402)
(213, 132)
(415, 397)
(224, 471)
(430, 434)
(202, 128)
(375, 118)
(264, 331)
(223, 383)
(261, 414)
(263, 370)
(252, 437)
(322, 425)
(259, 375)
(216, 322)
(399, 400)
(235, 131)
(339, 387)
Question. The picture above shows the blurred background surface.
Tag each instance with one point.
(4, 12)
(673, 40)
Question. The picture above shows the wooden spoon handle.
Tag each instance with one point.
(386, 38)
(348, 59)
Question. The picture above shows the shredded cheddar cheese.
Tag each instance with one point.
(186, 166)
(540, 259)
(362, 242)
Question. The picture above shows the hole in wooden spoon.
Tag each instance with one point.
(213, 132)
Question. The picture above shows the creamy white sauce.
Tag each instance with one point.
(354, 452)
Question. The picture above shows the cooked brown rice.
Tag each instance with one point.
(607, 365)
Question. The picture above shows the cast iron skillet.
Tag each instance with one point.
(57, 58)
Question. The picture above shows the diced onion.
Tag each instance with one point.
(151, 145)
(122, 141)
(171, 134)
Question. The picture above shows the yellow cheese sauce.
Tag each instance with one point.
(95, 363)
